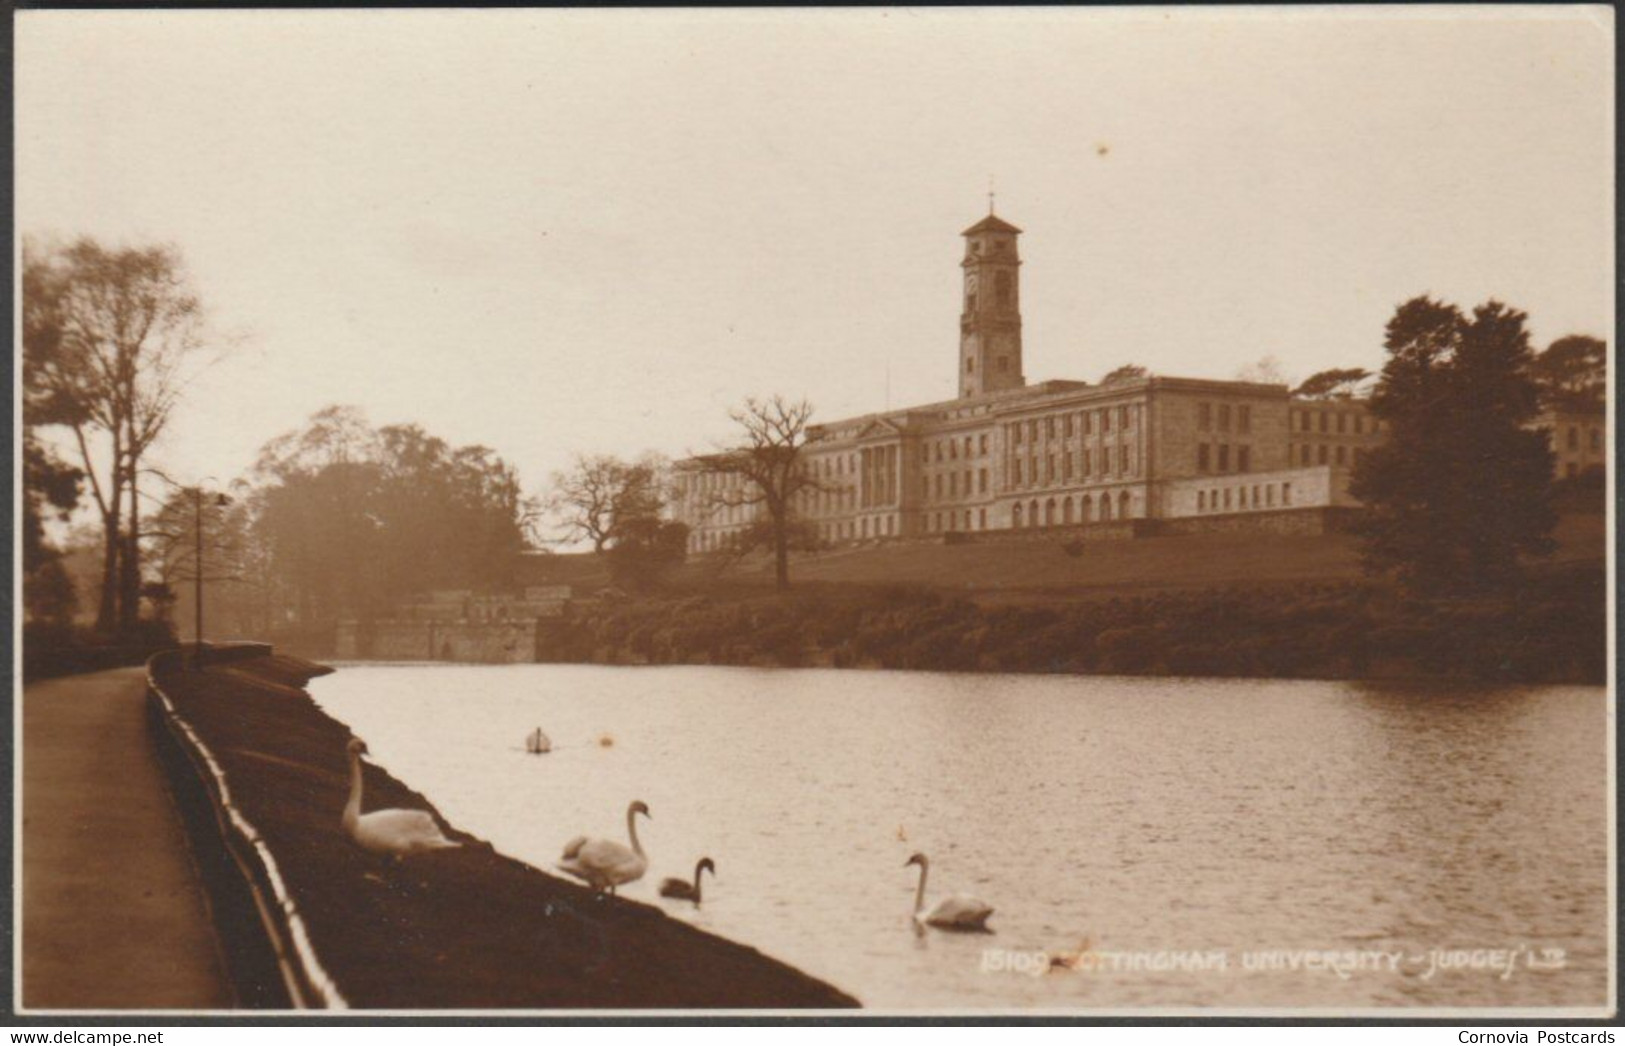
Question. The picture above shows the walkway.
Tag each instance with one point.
(113, 916)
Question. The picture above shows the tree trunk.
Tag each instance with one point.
(107, 609)
(130, 567)
(781, 555)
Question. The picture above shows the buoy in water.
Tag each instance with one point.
(537, 743)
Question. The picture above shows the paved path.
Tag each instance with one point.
(113, 916)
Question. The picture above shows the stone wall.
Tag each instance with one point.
(1319, 519)
(1324, 519)
(1114, 530)
(493, 642)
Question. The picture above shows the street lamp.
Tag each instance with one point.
(219, 500)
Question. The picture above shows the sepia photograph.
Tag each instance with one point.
(814, 514)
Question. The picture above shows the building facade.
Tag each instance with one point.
(1579, 440)
(1006, 455)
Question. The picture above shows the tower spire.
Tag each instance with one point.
(990, 194)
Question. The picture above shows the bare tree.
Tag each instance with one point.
(126, 323)
(599, 492)
(773, 474)
(1266, 370)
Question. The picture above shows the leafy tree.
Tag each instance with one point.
(1572, 373)
(50, 486)
(352, 520)
(770, 462)
(1127, 372)
(1462, 487)
(598, 491)
(109, 334)
(1338, 383)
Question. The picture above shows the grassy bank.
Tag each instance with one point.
(1043, 570)
(464, 928)
(1553, 630)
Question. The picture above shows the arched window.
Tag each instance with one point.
(1201, 501)
(1124, 504)
(1015, 515)
(1085, 508)
(1066, 510)
(1105, 507)
(1032, 513)
(1049, 513)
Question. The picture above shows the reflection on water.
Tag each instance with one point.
(1194, 840)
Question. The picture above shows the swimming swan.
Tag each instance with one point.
(398, 833)
(956, 912)
(605, 864)
(682, 889)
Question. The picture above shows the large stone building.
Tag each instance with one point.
(1009, 456)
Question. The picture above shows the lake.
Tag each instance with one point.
(1180, 842)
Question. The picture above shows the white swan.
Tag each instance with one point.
(684, 890)
(398, 833)
(956, 912)
(605, 864)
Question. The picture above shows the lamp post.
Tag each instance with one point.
(220, 501)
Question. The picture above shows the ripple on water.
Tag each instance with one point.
(1141, 816)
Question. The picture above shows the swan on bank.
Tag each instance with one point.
(605, 864)
(956, 912)
(682, 889)
(398, 833)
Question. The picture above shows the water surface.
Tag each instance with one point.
(1154, 824)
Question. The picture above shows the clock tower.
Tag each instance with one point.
(990, 321)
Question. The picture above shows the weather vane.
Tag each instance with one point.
(990, 194)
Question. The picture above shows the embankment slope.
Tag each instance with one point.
(464, 928)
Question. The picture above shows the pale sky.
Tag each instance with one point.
(560, 231)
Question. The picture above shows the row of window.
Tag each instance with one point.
(1342, 420)
(711, 482)
(1228, 499)
(878, 527)
(932, 487)
(1215, 457)
(710, 540)
(825, 502)
(1574, 438)
(1086, 422)
(1242, 415)
(1058, 469)
(835, 465)
(1324, 454)
(940, 522)
(949, 448)
(1060, 512)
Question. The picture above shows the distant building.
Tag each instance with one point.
(1578, 438)
(1006, 455)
